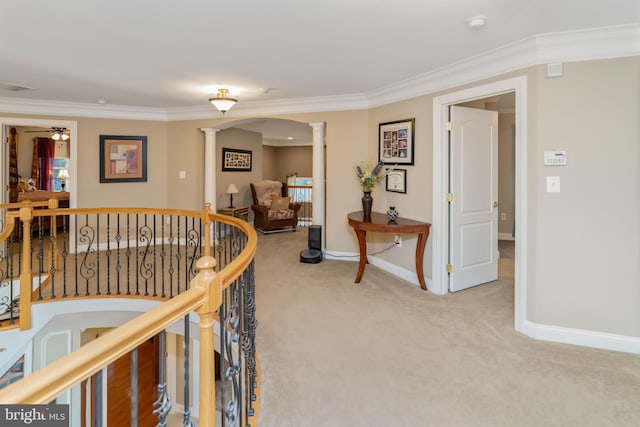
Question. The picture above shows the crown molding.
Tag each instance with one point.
(78, 109)
(274, 107)
(286, 143)
(570, 46)
(593, 43)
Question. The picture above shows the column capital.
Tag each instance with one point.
(316, 125)
(209, 131)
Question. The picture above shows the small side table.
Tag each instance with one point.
(241, 212)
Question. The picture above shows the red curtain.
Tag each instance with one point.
(45, 149)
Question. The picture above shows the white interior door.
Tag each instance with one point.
(473, 250)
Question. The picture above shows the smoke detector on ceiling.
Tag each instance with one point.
(476, 22)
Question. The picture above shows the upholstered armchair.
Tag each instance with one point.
(272, 207)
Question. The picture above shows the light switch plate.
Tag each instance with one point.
(553, 184)
(182, 174)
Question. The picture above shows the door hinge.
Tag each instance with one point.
(449, 268)
(450, 197)
(449, 126)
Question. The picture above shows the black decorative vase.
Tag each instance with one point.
(392, 214)
(367, 202)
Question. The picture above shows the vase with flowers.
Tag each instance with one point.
(368, 179)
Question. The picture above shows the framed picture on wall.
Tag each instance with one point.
(395, 142)
(396, 181)
(123, 158)
(234, 160)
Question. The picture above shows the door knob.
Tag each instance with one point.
(496, 204)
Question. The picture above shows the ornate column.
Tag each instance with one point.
(317, 193)
(210, 166)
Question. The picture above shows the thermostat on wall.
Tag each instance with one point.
(555, 158)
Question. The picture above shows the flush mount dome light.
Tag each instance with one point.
(222, 101)
(477, 22)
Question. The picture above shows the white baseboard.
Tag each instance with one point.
(595, 339)
(342, 256)
(505, 236)
(402, 273)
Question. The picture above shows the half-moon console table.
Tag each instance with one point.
(380, 223)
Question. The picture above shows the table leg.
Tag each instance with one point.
(420, 244)
(362, 244)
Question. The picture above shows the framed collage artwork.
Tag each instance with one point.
(395, 143)
(234, 160)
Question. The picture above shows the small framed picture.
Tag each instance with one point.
(396, 181)
(123, 158)
(395, 140)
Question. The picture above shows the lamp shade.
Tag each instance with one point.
(63, 174)
(222, 101)
(231, 189)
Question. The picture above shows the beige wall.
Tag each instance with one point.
(269, 170)
(91, 193)
(588, 236)
(290, 160)
(506, 172)
(243, 140)
(583, 243)
(280, 162)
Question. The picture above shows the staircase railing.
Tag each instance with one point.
(165, 255)
(302, 194)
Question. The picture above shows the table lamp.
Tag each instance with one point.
(231, 190)
(63, 174)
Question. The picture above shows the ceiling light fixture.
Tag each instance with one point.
(59, 133)
(477, 22)
(222, 101)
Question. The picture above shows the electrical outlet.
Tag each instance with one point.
(397, 241)
(503, 216)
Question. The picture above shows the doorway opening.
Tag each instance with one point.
(440, 227)
(68, 145)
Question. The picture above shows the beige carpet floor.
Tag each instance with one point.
(385, 353)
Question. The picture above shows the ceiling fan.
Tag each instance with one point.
(55, 133)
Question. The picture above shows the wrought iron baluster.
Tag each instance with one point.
(65, 253)
(87, 267)
(118, 264)
(137, 255)
(249, 343)
(178, 257)
(97, 234)
(155, 263)
(145, 267)
(128, 254)
(98, 409)
(163, 254)
(163, 404)
(186, 415)
(108, 254)
(134, 387)
(171, 269)
(231, 330)
(76, 264)
(193, 242)
(52, 267)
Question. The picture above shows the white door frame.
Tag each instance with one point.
(440, 221)
(73, 147)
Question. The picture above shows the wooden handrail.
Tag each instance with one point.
(46, 384)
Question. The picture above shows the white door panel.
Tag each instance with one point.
(474, 184)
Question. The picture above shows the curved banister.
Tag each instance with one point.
(204, 296)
